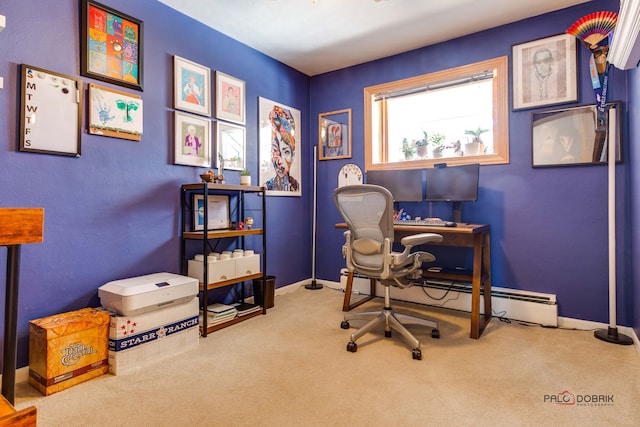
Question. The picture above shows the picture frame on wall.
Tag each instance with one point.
(115, 113)
(545, 72)
(334, 135)
(50, 112)
(111, 45)
(230, 140)
(192, 140)
(568, 136)
(280, 148)
(192, 86)
(230, 98)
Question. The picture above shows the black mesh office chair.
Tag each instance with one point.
(368, 212)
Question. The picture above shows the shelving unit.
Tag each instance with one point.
(236, 194)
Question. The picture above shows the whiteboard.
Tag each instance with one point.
(51, 107)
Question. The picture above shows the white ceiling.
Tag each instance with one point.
(317, 36)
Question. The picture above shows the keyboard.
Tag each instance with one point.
(425, 222)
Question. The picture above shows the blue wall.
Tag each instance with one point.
(549, 226)
(114, 212)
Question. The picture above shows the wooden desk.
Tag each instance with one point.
(475, 236)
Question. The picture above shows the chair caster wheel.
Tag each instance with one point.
(352, 347)
(387, 334)
(344, 324)
(435, 333)
(417, 354)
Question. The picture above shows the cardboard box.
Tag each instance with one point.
(142, 339)
(67, 349)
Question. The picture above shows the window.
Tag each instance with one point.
(456, 116)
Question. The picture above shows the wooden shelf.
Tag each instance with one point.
(233, 321)
(220, 234)
(224, 187)
(224, 283)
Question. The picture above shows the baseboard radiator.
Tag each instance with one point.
(508, 303)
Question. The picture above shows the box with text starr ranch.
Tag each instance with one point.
(68, 348)
(141, 339)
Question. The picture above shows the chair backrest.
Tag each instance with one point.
(368, 211)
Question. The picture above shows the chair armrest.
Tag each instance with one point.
(419, 239)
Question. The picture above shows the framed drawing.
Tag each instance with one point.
(280, 149)
(114, 113)
(192, 140)
(192, 86)
(217, 212)
(334, 135)
(110, 45)
(567, 136)
(50, 112)
(230, 140)
(545, 72)
(230, 97)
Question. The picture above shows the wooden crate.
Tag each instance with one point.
(67, 349)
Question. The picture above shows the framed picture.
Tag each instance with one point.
(217, 212)
(568, 136)
(230, 97)
(334, 135)
(545, 72)
(192, 86)
(114, 113)
(231, 145)
(280, 149)
(111, 46)
(192, 140)
(50, 112)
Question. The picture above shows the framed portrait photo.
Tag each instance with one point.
(192, 140)
(231, 144)
(545, 72)
(280, 149)
(230, 98)
(191, 86)
(111, 45)
(568, 136)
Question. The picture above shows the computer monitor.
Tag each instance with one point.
(454, 184)
(404, 185)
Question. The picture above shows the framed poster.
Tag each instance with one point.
(545, 72)
(334, 135)
(280, 149)
(231, 145)
(568, 136)
(217, 212)
(114, 113)
(192, 140)
(110, 45)
(50, 112)
(192, 86)
(230, 98)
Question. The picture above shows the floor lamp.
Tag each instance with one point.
(314, 285)
(611, 333)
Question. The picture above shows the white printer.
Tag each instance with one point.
(147, 293)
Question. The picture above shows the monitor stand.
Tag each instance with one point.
(457, 212)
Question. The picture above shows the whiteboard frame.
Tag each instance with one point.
(54, 132)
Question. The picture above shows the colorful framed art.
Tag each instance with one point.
(192, 86)
(230, 98)
(111, 46)
(192, 140)
(114, 113)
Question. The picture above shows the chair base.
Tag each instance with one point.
(391, 321)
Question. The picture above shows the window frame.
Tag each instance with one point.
(500, 68)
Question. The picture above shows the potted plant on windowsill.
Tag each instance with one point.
(476, 146)
(436, 141)
(421, 145)
(245, 177)
(408, 149)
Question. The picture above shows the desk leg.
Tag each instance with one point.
(346, 306)
(481, 268)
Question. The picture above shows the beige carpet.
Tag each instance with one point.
(291, 368)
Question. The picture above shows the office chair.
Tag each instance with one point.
(368, 211)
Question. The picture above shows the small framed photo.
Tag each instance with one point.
(111, 46)
(192, 86)
(568, 136)
(231, 145)
(230, 98)
(217, 212)
(545, 72)
(192, 140)
(334, 135)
